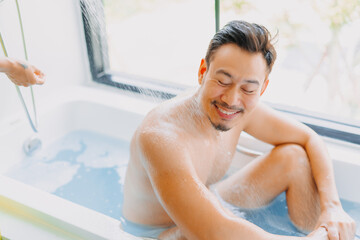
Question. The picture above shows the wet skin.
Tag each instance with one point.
(187, 144)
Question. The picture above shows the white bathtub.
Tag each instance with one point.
(29, 213)
(26, 211)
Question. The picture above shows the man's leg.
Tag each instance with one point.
(172, 234)
(285, 168)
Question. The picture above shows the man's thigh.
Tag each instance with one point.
(260, 181)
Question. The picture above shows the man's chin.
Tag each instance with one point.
(220, 127)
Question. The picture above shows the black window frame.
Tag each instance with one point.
(96, 42)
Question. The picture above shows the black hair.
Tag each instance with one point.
(248, 36)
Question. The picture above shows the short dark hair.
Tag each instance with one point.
(248, 36)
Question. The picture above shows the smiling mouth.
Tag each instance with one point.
(227, 113)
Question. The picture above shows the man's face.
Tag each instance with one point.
(232, 85)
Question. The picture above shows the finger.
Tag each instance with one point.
(320, 232)
(347, 230)
(31, 77)
(353, 225)
(40, 76)
(39, 80)
(38, 72)
(333, 233)
(343, 231)
(350, 231)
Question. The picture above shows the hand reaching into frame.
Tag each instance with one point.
(21, 73)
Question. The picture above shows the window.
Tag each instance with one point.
(155, 47)
(153, 42)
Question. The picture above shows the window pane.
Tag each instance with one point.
(318, 64)
(159, 39)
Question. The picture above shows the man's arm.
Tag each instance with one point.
(194, 209)
(4, 64)
(21, 73)
(272, 127)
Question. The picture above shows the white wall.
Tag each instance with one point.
(55, 43)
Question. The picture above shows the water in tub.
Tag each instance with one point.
(89, 169)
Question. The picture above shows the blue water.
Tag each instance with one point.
(84, 167)
(88, 168)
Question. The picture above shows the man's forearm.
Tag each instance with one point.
(4, 64)
(323, 172)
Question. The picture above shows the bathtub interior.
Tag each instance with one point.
(74, 113)
(66, 118)
(97, 119)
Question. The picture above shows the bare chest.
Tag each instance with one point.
(212, 159)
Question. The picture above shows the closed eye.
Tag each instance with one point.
(222, 83)
(247, 91)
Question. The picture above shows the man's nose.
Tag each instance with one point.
(231, 97)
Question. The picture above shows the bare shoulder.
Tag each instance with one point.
(260, 115)
(159, 138)
(163, 123)
(261, 109)
(274, 127)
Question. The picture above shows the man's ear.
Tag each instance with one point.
(202, 70)
(264, 86)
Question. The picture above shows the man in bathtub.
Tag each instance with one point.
(185, 146)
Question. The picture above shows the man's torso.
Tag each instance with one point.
(210, 156)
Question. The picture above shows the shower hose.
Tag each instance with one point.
(34, 123)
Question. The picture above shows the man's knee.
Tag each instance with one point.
(293, 156)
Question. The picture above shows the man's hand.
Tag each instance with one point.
(339, 225)
(319, 233)
(24, 74)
